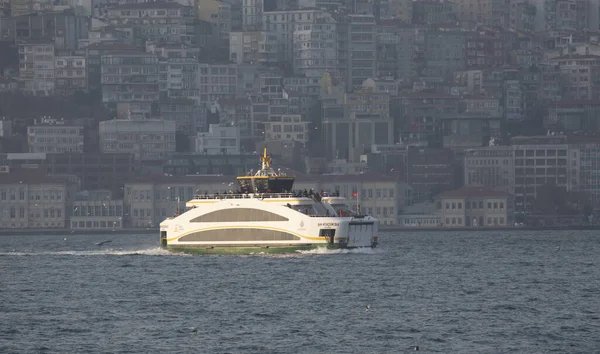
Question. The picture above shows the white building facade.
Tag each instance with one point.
(219, 140)
(55, 137)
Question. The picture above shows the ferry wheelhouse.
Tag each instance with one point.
(266, 215)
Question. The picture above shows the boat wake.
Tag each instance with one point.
(106, 252)
(323, 250)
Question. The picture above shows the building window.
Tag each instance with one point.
(459, 206)
(489, 205)
(453, 206)
(495, 205)
(447, 206)
(501, 205)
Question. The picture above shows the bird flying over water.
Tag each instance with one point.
(367, 307)
(101, 243)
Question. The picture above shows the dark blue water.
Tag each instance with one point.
(493, 292)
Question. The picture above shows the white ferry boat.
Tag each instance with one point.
(266, 216)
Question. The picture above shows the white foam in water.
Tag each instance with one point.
(323, 250)
(108, 252)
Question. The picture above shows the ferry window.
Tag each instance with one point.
(239, 215)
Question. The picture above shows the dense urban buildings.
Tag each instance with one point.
(433, 113)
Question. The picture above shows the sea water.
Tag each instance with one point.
(444, 292)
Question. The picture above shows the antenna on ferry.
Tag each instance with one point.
(264, 158)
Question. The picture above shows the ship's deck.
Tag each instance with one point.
(294, 195)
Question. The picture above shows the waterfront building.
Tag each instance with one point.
(96, 210)
(539, 160)
(29, 199)
(475, 207)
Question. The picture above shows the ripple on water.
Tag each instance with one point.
(446, 293)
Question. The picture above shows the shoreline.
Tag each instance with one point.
(148, 231)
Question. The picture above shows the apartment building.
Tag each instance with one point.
(23, 7)
(159, 21)
(360, 51)
(178, 78)
(490, 167)
(540, 160)
(36, 66)
(128, 76)
(219, 140)
(249, 47)
(216, 82)
(64, 27)
(315, 47)
(283, 24)
(145, 139)
(70, 74)
(32, 200)
(582, 72)
(584, 162)
(53, 135)
(395, 49)
(288, 127)
(475, 207)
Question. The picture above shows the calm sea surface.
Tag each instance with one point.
(492, 292)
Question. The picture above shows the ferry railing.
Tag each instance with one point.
(247, 196)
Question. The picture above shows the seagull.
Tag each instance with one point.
(367, 308)
(103, 242)
(416, 348)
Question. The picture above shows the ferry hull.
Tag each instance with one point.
(272, 225)
(246, 250)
